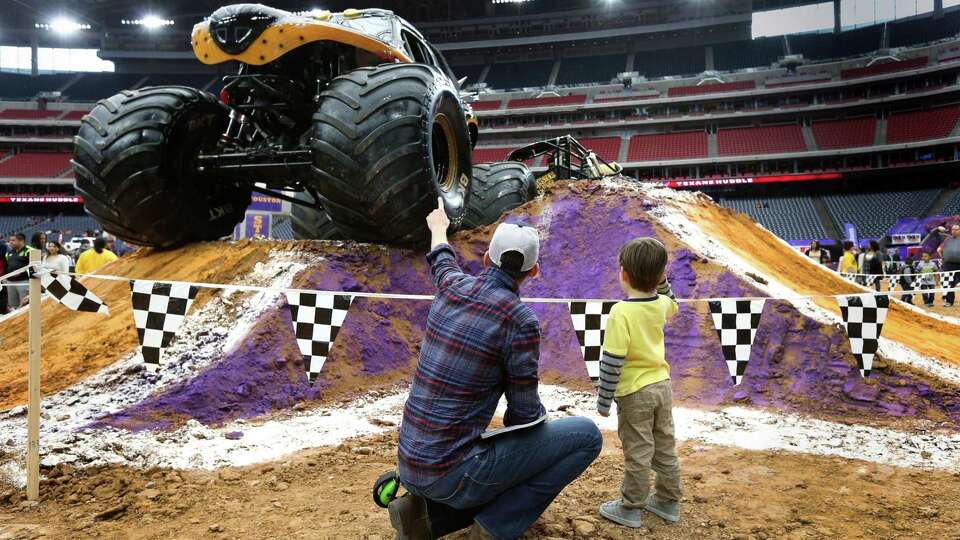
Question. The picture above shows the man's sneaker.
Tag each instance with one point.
(668, 510)
(617, 513)
(408, 515)
(928, 305)
(947, 304)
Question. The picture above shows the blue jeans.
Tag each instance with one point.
(516, 477)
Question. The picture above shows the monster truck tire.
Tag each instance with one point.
(135, 165)
(312, 223)
(497, 188)
(387, 141)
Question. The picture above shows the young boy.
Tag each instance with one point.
(633, 371)
(929, 269)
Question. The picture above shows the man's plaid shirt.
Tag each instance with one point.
(481, 342)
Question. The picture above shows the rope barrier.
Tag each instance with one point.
(531, 300)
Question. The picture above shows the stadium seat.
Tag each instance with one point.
(35, 165)
(608, 148)
(587, 69)
(886, 67)
(668, 146)
(74, 115)
(486, 105)
(551, 101)
(789, 217)
(874, 213)
(96, 86)
(845, 133)
(28, 114)
(922, 125)
(509, 75)
(680, 91)
(760, 140)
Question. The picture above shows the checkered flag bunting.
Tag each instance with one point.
(736, 322)
(863, 317)
(158, 312)
(871, 279)
(949, 280)
(916, 281)
(590, 322)
(71, 293)
(317, 318)
(892, 281)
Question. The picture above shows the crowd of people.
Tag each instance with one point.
(872, 265)
(15, 255)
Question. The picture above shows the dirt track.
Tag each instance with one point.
(324, 493)
(761, 248)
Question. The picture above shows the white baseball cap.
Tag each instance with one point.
(512, 237)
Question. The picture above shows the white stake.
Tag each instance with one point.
(33, 387)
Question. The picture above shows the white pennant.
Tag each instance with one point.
(863, 317)
(590, 322)
(736, 322)
(158, 313)
(317, 318)
(71, 293)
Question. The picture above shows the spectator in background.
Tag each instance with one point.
(906, 279)
(929, 270)
(872, 263)
(56, 259)
(818, 254)
(92, 260)
(17, 257)
(39, 242)
(950, 253)
(848, 261)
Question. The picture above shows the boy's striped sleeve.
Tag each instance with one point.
(610, 366)
(665, 289)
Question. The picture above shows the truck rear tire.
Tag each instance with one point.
(312, 223)
(135, 165)
(387, 141)
(497, 188)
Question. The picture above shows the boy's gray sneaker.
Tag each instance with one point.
(668, 510)
(617, 513)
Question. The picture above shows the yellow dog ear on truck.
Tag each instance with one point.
(279, 39)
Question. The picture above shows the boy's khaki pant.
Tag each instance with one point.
(645, 426)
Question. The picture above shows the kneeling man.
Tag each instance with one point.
(481, 343)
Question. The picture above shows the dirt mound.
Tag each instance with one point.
(798, 364)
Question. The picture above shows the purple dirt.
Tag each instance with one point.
(797, 364)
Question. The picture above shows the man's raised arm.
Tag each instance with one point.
(442, 259)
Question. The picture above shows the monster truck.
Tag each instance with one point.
(354, 113)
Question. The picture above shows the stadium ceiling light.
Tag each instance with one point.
(510, 1)
(62, 25)
(150, 22)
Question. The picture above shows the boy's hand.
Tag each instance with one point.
(438, 223)
(604, 413)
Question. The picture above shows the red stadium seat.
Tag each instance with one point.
(486, 105)
(608, 148)
(35, 165)
(28, 114)
(887, 67)
(796, 83)
(845, 133)
(679, 91)
(553, 101)
(74, 115)
(922, 125)
(668, 146)
(760, 140)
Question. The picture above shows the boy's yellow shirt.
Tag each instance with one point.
(635, 331)
(848, 263)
